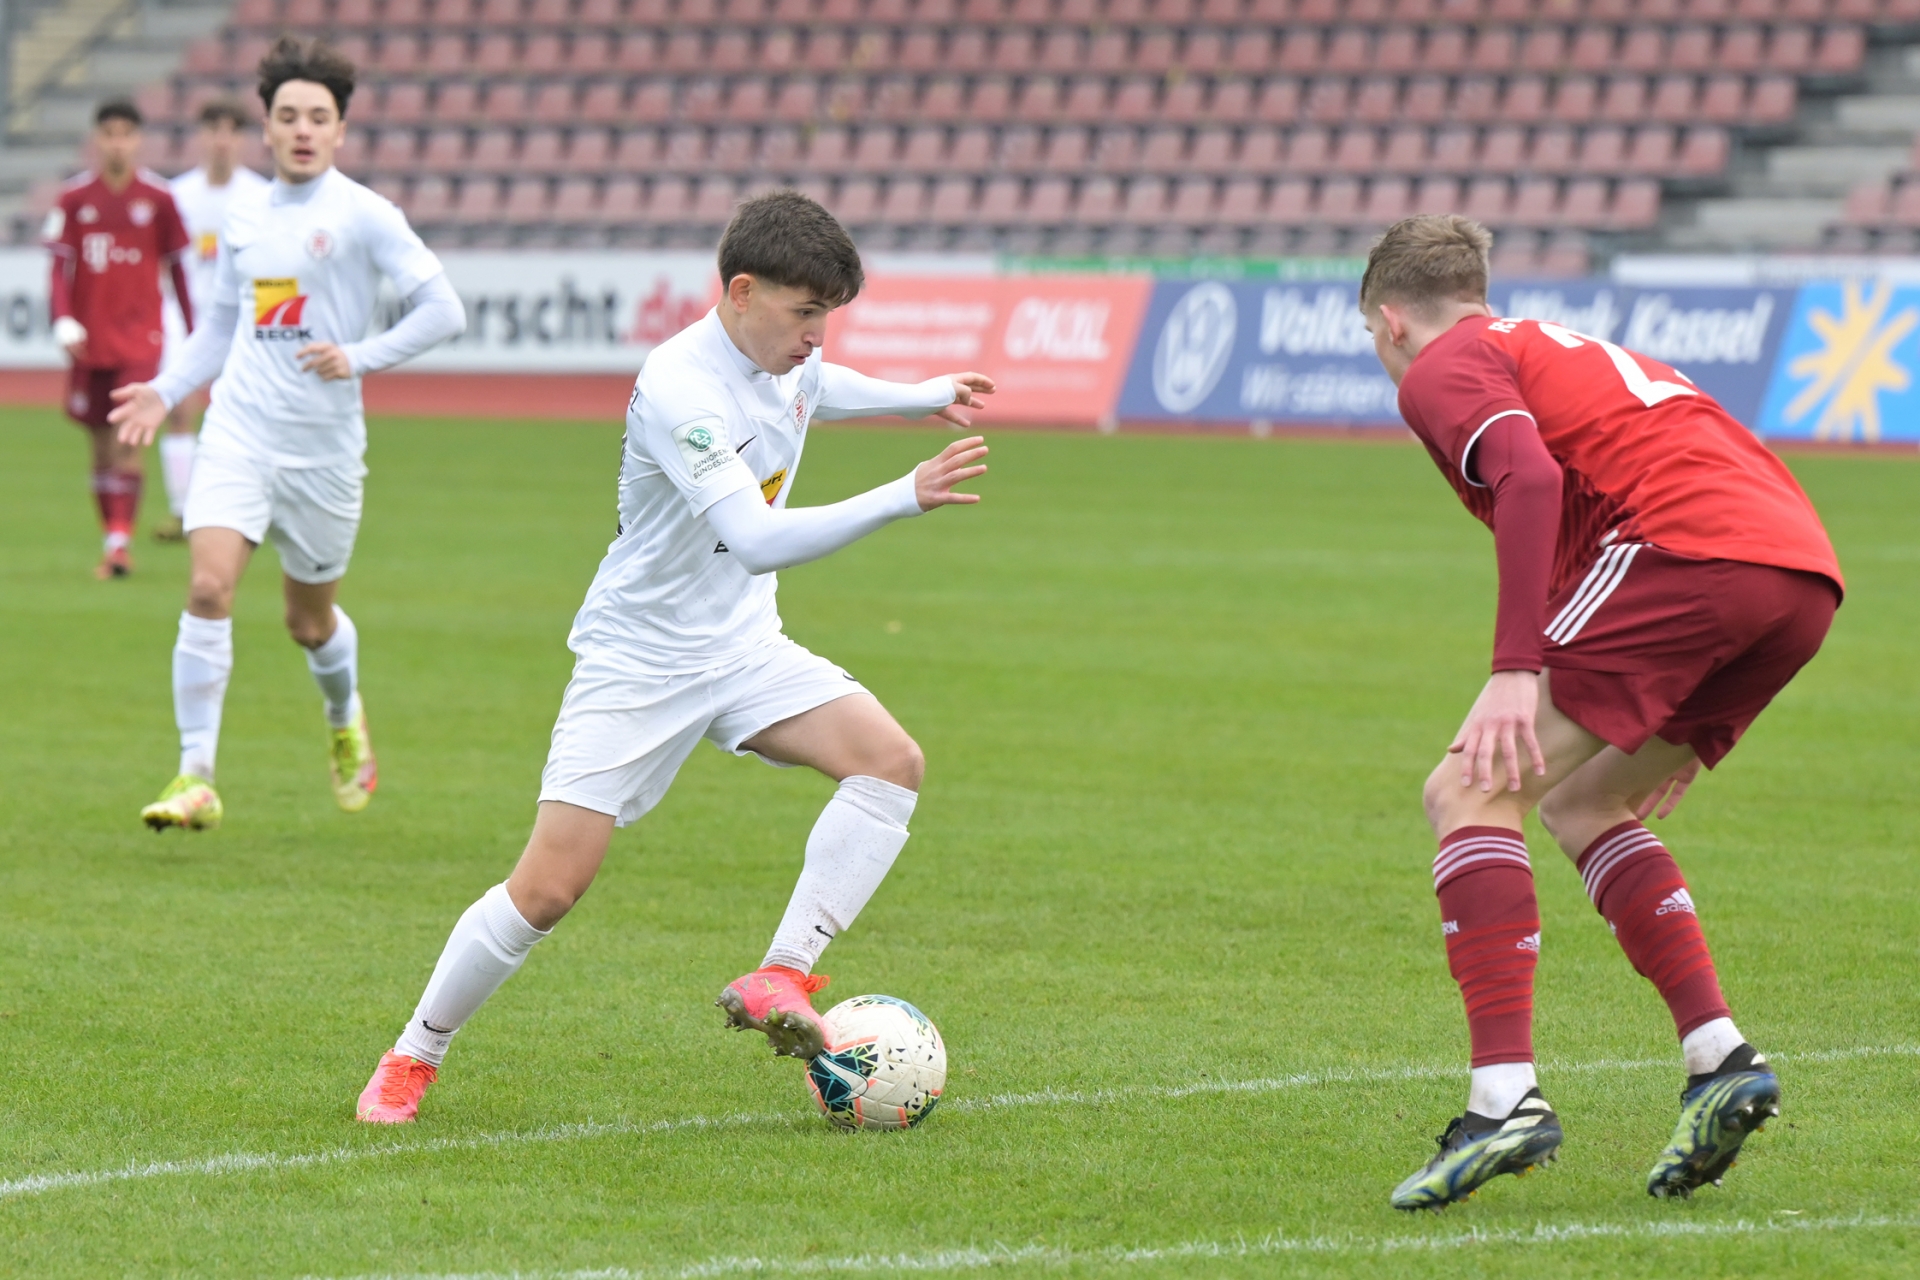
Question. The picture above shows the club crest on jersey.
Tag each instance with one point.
(799, 415)
(319, 244)
(88, 214)
(278, 306)
(140, 212)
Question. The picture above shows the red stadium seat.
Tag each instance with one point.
(1098, 203)
(1349, 50)
(399, 53)
(1233, 101)
(952, 202)
(1378, 101)
(1135, 100)
(1355, 151)
(972, 150)
(991, 100)
(1740, 50)
(1691, 50)
(1636, 204)
(1000, 201)
(1388, 200)
(714, 200)
(685, 150)
(404, 104)
(1774, 99)
(1116, 151)
(1049, 203)
(1841, 50)
(1724, 100)
(1536, 203)
(1544, 49)
(1398, 50)
(1585, 203)
(1437, 195)
(1504, 149)
(1704, 152)
(1300, 52)
(591, 53)
(1165, 151)
(1329, 100)
(653, 100)
(925, 150)
(456, 101)
(1643, 49)
(905, 202)
(1205, 51)
(876, 149)
(1339, 201)
(1146, 202)
(1445, 49)
(478, 202)
(1240, 201)
(1455, 150)
(507, 103)
(1406, 151)
(1014, 50)
(1290, 202)
(498, 52)
(1593, 49)
(527, 202)
(304, 13)
(748, 101)
(1309, 150)
(1086, 101)
(1869, 204)
(1020, 149)
(1489, 200)
(919, 51)
(1602, 150)
(1494, 50)
(494, 151)
(1476, 100)
(1193, 202)
(1525, 100)
(668, 201)
(701, 99)
(1652, 150)
(1575, 100)
(732, 150)
(542, 151)
(592, 150)
(624, 200)
(445, 151)
(1624, 99)
(731, 51)
(1260, 151)
(395, 151)
(1425, 101)
(830, 150)
(1251, 52)
(1068, 150)
(1790, 49)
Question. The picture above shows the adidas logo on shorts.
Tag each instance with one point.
(1529, 943)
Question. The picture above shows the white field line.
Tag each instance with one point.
(974, 1258)
(248, 1162)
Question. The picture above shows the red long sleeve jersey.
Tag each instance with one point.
(1644, 455)
(108, 250)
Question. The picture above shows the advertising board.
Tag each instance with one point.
(1057, 346)
(1846, 367)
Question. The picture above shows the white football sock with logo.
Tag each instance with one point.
(1497, 1089)
(335, 666)
(488, 945)
(850, 851)
(202, 664)
(176, 467)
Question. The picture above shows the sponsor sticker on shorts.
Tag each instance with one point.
(704, 446)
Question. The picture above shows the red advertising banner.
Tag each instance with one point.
(1057, 346)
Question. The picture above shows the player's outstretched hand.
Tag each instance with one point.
(933, 480)
(325, 359)
(138, 411)
(1501, 719)
(967, 390)
(1666, 796)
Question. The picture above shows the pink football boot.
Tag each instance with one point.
(393, 1095)
(774, 1000)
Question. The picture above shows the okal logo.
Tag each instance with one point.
(1196, 344)
(278, 307)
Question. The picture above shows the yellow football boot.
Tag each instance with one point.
(189, 803)
(350, 760)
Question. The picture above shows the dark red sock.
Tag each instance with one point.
(127, 506)
(1491, 921)
(103, 496)
(1636, 886)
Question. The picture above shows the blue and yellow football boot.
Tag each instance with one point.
(1476, 1149)
(1717, 1112)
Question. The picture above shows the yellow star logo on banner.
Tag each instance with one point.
(1856, 365)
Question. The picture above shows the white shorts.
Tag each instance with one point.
(623, 733)
(311, 513)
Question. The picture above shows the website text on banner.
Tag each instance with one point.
(1234, 352)
(1057, 346)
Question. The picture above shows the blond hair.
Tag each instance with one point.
(1429, 258)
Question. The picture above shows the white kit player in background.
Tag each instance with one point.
(679, 638)
(202, 195)
(280, 452)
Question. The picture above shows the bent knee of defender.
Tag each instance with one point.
(898, 760)
(308, 630)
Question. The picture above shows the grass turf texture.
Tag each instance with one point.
(1178, 696)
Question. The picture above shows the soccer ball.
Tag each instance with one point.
(883, 1068)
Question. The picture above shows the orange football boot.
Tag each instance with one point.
(774, 1000)
(393, 1095)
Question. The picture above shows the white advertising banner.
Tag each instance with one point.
(527, 312)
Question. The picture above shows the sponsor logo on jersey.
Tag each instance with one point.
(140, 212)
(278, 306)
(99, 252)
(207, 245)
(770, 487)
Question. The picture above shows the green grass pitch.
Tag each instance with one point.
(1167, 897)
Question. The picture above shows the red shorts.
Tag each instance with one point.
(88, 390)
(1651, 643)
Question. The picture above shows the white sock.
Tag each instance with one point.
(336, 667)
(176, 466)
(1497, 1089)
(853, 845)
(488, 944)
(202, 662)
(1707, 1045)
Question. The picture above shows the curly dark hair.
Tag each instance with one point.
(292, 58)
(788, 239)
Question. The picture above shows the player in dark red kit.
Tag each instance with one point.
(1662, 577)
(109, 234)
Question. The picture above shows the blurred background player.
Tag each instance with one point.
(202, 195)
(109, 233)
(1662, 577)
(680, 639)
(281, 453)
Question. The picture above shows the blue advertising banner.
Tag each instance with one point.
(1298, 353)
(1846, 368)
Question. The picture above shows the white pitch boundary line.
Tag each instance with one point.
(249, 1162)
(974, 1258)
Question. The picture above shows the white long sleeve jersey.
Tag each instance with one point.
(298, 264)
(705, 423)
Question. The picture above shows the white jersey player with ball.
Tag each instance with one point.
(679, 638)
(281, 449)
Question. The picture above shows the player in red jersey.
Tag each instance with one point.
(1662, 577)
(109, 233)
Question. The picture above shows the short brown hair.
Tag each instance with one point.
(788, 239)
(1432, 257)
(224, 109)
(117, 109)
(292, 58)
